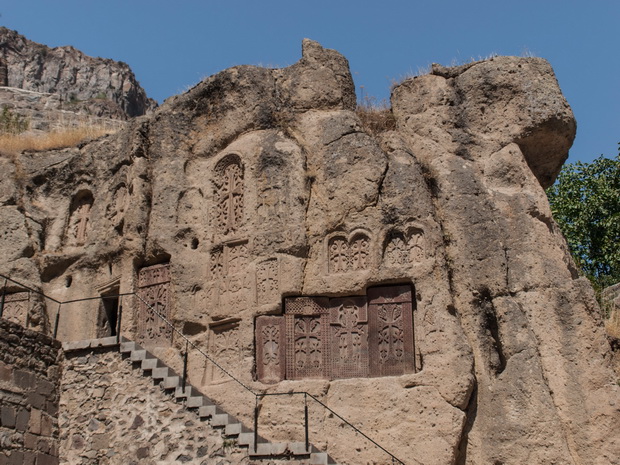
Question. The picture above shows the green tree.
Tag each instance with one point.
(585, 201)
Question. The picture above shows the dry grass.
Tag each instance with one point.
(69, 137)
(376, 116)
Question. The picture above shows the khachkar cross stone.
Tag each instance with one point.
(342, 337)
(348, 255)
(390, 326)
(307, 333)
(229, 195)
(267, 282)
(270, 348)
(153, 288)
(349, 337)
(80, 219)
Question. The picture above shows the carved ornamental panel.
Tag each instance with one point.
(347, 337)
(267, 282)
(402, 249)
(270, 347)
(346, 255)
(225, 346)
(229, 185)
(307, 333)
(154, 287)
(390, 331)
(16, 307)
(228, 272)
(79, 220)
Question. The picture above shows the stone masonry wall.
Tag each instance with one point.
(29, 396)
(111, 414)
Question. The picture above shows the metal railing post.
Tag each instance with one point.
(57, 321)
(256, 424)
(2, 298)
(183, 382)
(306, 421)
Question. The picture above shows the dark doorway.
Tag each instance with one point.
(108, 314)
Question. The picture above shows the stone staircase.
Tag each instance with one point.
(207, 410)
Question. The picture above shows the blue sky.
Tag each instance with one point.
(171, 46)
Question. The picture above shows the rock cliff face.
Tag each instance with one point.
(415, 282)
(97, 86)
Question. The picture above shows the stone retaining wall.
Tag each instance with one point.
(29, 396)
(111, 414)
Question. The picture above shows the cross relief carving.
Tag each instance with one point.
(318, 337)
(229, 194)
(348, 254)
(153, 287)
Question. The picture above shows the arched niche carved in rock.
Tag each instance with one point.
(228, 181)
(402, 248)
(79, 218)
(350, 253)
(190, 208)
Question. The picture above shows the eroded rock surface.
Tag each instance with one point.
(82, 84)
(260, 186)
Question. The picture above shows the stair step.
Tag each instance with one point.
(195, 402)
(137, 355)
(266, 449)
(233, 429)
(128, 346)
(298, 448)
(194, 399)
(246, 439)
(220, 419)
(150, 363)
(207, 411)
(160, 372)
(189, 391)
(170, 382)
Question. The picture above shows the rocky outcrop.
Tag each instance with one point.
(414, 282)
(95, 86)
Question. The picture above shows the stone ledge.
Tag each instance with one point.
(90, 344)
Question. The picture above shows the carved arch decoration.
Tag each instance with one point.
(346, 253)
(403, 247)
(344, 337)
(79, 224)
(229, 185)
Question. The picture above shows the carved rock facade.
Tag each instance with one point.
(414, 281)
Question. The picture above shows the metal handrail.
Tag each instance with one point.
(189, 343)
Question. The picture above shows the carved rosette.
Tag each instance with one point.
(154, 287)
